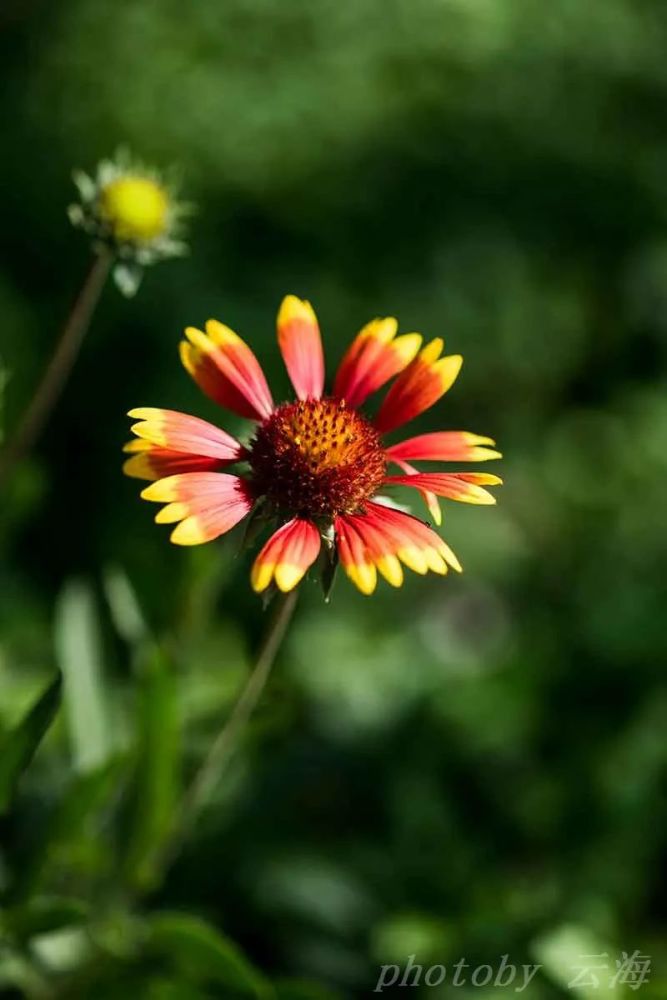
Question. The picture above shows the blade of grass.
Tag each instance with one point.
(19, 745)
(157, 786)
(79, 655)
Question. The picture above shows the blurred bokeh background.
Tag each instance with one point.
(466, 767)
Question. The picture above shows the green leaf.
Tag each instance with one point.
(64, 950)
(157, 782)
(126, 612)
(74, 822)
(44, 914)
(16, 971)
(79, 654)
(173, 989)
(203, 955)
(301, 989)
(579, 961)
(19, 745)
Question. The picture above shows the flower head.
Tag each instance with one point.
(133, 211)
(314, 467)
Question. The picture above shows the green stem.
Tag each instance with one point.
(61, 363)
(206, 778)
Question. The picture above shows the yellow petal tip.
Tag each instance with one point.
(292, 308)
(188, 532)
(261, 575)
(143, 412)
(287, 577)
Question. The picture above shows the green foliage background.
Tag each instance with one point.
(467, 767)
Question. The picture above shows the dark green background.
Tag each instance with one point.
(465, 767)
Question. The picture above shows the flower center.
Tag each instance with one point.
(316, 458)
(135, 207)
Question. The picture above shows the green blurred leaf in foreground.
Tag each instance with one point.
(576, 959)
(20, 744)
(203, 955)
(156, 786)
(70, 839)
(298, 989)
(79, 653)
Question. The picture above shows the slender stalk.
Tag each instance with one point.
(198, 793)
(58, 369)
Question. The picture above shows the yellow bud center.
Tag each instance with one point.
(135, 208)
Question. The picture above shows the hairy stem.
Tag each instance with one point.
(61, 363)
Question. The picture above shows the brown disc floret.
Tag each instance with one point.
(316, 458)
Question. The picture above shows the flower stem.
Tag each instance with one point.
(61, 363)
(198, 794)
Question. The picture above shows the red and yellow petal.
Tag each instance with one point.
(301, 347)
(374, 356)
(444, 446)
(207, 504)
(354, 557)
(287, 556)
(182, 433)
(415, 544)
(464, 486)
(148, 461)
(225, 368)
(430, 499)
(381, 539)
(419, 386)
(374, 540)
(418, 542)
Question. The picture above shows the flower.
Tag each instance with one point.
(133, 211)
(314, 466)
